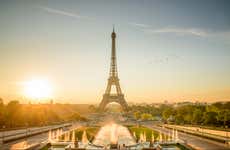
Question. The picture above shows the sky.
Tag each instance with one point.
(166, 50)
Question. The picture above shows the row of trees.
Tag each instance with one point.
(214, 114)
(143, 116)
(15, 114)
(217, 114)
(146, 112)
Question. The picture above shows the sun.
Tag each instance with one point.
(37, 88)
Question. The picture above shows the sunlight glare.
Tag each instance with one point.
(37, 88)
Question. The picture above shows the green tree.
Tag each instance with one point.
(197, 116)
(179, 119)
(223, 116)
(181, 112)
(227, 105)
(210, 117)
(137, 115)
(167, 113)
(146, 116)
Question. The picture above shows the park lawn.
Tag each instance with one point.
(45, 147)
(140, 129)
(90, 132)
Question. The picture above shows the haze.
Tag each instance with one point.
(166, 50)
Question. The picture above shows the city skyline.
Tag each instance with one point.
(175, 51)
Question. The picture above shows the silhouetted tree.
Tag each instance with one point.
(12, 113)
(2, 114)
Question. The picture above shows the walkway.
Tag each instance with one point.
(196, 142)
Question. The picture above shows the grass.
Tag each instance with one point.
(90, 132)
(140, 129)
(45, 147)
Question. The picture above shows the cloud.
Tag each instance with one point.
(173, 30)
(197, 32)
(179, 31)
(65, 13)
(165, 59)
(139, 25)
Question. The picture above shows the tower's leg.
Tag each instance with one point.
(123, 104)
(103, 103)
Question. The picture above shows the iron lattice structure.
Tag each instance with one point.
(113, 80)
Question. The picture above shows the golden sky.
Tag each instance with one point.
(164, 51)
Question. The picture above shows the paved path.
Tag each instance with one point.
(14, 145)
(20, 133)
(32, 140)
(215, 134)
(196, 142)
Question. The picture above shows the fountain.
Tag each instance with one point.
(49, 136)
(160, 137)
(141, 139)
(169, 138)
(144, 137)
(84, 139)
(134, 134)
(113, 134)
(56, 134)
(66, 137)
(53, 135)
(73, 136)
(172, 134)
(176, 136)
(152, 137)
(60, 133)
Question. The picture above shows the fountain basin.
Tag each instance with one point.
(115, 136)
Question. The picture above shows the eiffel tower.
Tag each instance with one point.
(113, 80)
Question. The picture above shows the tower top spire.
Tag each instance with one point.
(113, 65)
(113, 35)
